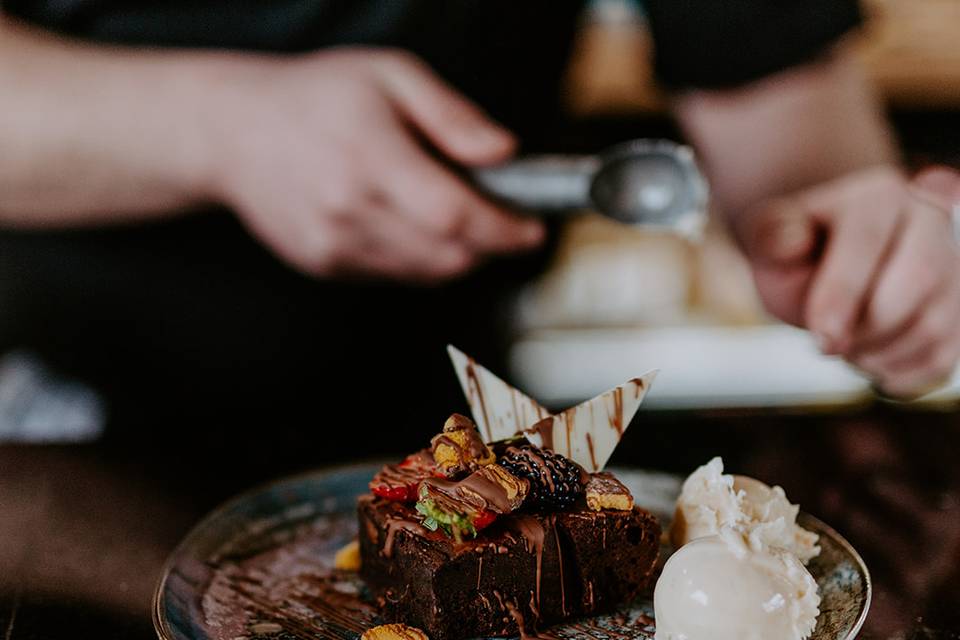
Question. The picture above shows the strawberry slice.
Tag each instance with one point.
(483, 519)
(401, 482)
(403, 493)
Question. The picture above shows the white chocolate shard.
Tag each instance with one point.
(587, 433)
(499, 410)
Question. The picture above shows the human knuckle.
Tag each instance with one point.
(449, 221)
(340, 197)
(446, 213)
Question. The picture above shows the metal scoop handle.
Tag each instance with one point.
(547, 184)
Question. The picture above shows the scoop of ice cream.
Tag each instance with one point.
(773, 519)
(724, 587)
(711, 500)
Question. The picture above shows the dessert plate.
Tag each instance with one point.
(261, 568)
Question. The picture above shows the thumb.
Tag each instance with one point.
(453, 124)
(781, 233)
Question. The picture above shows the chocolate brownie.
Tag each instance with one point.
(525, 571)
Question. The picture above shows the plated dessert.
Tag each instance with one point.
(471, 539)
(278, 563)
(508, 524)
(508, 528)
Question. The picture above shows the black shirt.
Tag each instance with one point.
(507, 55)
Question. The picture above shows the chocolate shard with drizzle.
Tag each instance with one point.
(524, 572)
(587, 433)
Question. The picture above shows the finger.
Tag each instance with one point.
(920, 266)
(924, 372)
(780, 287)
(932, 326)
(436, 200)
(781, 241)
(859, 237)
(781, 233)
(452, 123)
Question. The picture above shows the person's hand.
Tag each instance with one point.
(325, 158)
(870, 265)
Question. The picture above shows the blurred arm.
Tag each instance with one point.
(90, 133)
(801, 127)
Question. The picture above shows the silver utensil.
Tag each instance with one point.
(652, 183)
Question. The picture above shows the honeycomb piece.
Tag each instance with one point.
(395, 631)
(459, 448)
(606, 492)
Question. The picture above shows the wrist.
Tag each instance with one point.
(195, 143)
(218, 86)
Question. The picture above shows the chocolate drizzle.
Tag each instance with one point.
(616, 416)
(476, 391)
(412, 471)
(593, 456)
(563, 586)
(544, 429)
(400, 524)
(516, 614)
(533, 534)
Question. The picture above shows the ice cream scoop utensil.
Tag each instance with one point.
(651, 183)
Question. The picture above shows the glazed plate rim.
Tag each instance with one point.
(161, 623)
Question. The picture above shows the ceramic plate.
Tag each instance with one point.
(261, 568)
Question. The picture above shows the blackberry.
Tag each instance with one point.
(555, 481)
